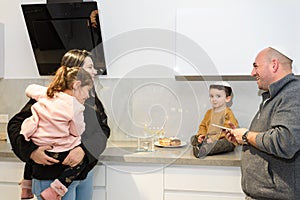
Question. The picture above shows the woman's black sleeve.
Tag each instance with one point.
(20, 146)
(102, 117)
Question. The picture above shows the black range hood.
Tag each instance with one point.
(55, 28)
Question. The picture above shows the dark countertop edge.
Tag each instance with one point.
(215, 78)
(168, 161)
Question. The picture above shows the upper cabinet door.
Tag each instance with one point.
(223, 37)
(1, 50)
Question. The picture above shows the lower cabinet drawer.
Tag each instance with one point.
(11, 172)
(99, 193)
(170, 195)
(203, 178)
(10, 191)
(99, 175)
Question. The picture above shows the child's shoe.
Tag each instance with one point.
(202, 152)
(26, 186)
(194, 140)
(26, 194)
(196, 151)
(55, 191)
(50, 194)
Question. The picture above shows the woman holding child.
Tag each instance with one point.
(93, 139)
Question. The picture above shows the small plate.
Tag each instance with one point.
(159, 145)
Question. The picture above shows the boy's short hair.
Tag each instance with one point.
(222, 85)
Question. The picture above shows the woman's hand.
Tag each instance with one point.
(75, 157)
(40, 157)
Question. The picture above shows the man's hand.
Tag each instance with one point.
(236, 135)
(40, 157)
(230, 137)
(75, 157)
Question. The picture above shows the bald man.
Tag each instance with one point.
(270, 155)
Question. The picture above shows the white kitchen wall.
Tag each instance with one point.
(139, 41)
(19, 59)
(123, 19)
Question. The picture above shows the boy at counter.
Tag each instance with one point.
(210, 138)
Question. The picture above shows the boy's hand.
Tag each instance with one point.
(231, 125)
(201, 138)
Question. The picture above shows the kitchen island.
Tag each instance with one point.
(166, 173)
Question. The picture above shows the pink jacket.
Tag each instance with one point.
(56, 121)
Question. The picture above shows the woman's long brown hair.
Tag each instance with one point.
(74, 58)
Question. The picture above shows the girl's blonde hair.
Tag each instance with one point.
(65, 77)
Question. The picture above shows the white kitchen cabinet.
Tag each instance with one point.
(211, 48)
(200, 195)
(134, 182)
(10, 191)
(202, 182)
(146, 176)
(10, 175)
(99, 182)
(146, 182)
(1, 50)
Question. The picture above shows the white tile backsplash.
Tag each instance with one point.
(133, 102)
